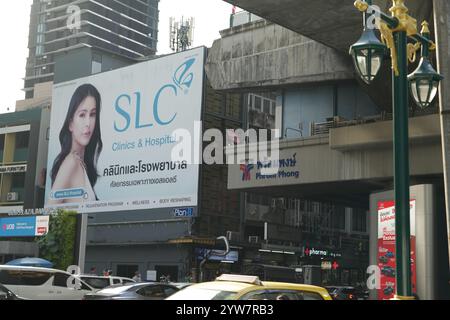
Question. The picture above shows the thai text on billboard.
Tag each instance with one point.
(112, 136)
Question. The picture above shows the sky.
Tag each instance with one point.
(211, 16)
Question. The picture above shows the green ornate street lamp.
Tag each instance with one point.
(396, 30)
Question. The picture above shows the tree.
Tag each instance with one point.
(58, 244)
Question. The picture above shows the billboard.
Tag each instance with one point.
(24, 226)
(386, 248)
(112, 136)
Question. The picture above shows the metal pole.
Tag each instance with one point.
(401, 169)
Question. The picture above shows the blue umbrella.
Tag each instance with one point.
(31, 262)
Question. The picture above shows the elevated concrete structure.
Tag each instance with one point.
(262, 54)
(349, 163)
(335, 23)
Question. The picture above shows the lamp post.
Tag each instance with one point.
(396, 30)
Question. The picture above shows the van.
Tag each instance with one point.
(101, 282)
(41, 283)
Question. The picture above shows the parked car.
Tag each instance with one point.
(6, 294)
(41, 283)
(135, 291)
(181, 285)
(101, 282)
(240, 287)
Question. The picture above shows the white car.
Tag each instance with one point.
(42, 283)
(101, 282)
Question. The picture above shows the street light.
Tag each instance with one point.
(423, 83)
(368, 53)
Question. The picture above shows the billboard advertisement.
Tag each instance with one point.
(113, 134)
(24, 226)
(386, 248)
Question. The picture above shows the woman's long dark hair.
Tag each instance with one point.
(94, 147)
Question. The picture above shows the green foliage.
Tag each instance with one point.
(59, 244)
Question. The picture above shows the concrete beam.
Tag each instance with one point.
(262, 54)
(334, 23)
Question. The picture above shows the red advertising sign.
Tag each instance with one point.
(386, 248)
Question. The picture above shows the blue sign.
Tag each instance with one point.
(18, 227)
(184, 212)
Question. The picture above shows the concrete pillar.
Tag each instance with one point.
(442, 29)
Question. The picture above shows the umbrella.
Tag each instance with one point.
(31, 262)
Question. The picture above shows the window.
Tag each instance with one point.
(151, 292)
(2, 142)
(359, 220)
(33, 278)
(39, 50)
(96, 63)
(18, 181)
(339, 218)
(126, 270)
(168, 291)
(258, 103)
(22, 139)
(10, 277)
(60, 280)
(97, 283)
(116, 281)
(254, 295)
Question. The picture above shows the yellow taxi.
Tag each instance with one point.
(241, 287)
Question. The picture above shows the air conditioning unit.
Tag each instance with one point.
(12, 196)
(253, 239)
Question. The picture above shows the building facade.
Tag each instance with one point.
(128, 29)
(23, 153)
(335, 148)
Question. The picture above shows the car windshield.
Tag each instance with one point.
(192, 293)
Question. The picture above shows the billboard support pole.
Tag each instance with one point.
(81, 250)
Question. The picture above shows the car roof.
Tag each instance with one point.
(233, 286)
(26, 268)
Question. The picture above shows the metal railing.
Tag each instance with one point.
(319, 128)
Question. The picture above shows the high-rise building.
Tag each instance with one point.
(127, 28)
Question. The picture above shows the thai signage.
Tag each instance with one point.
(386, 248)
(113, 134)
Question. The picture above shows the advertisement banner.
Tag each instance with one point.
(24, 226)
(113, 137)
(386, 248)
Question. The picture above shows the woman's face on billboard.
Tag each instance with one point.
(82, 124)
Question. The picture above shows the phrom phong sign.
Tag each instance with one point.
(112, 137)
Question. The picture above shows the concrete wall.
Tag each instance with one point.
(353, 153)
(264, 54)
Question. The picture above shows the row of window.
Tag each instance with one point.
(310, 216)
